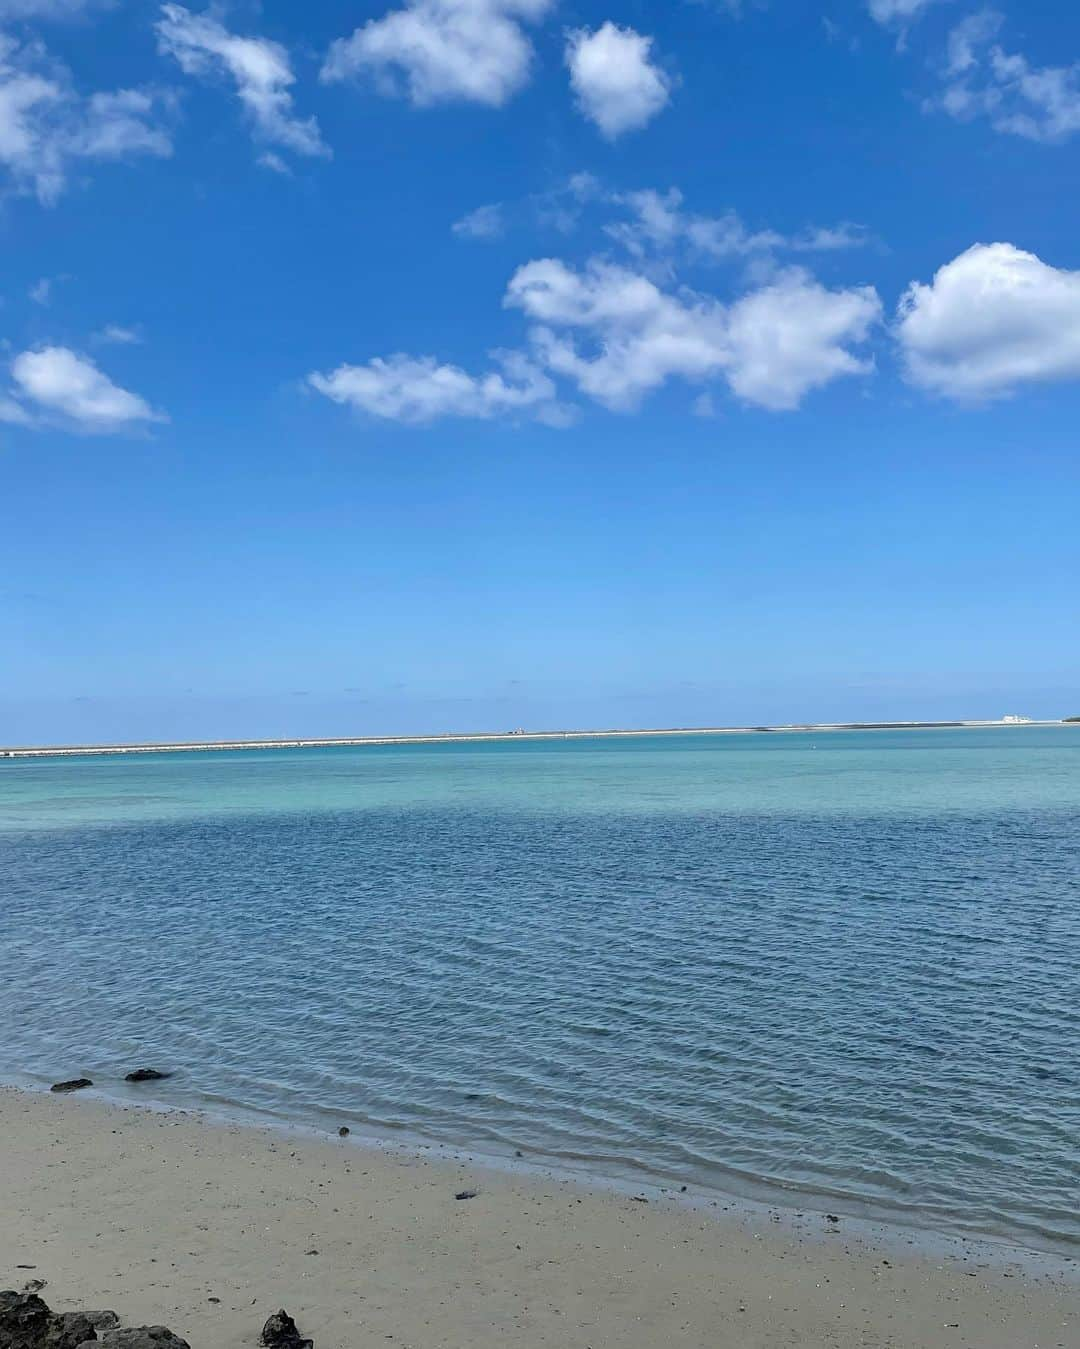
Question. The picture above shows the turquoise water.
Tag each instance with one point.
(843, 965)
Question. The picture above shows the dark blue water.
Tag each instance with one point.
(847, 965)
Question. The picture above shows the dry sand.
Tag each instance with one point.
(208, 1227)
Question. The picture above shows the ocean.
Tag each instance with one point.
(838, 969)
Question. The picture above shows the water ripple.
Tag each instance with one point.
(882, 1006)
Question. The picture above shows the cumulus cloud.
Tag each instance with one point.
(993, 319)
(615, 81)
(419, 390)
(486, 222)
(772, 346)
(982, 79)
(440, 51)
(793, 336)
(46, 127)
(259, 67)
(62, 385)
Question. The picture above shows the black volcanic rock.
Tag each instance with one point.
(139, 1337)
(75, 1084)
(102, 1320)
(280, 1332)
(69, 1330)
(146, 1075)
(24, 1320)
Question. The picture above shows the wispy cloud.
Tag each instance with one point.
(421, 390)
(897, 11)
(47, 127)
(982, 79)
(486, 222)
(48, 9)
(115, 335)
(659, 225)
(259, 68)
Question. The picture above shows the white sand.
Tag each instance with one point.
(154, 1215)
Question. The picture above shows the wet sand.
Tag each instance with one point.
(208, 1227)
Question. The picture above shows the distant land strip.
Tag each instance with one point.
(178, 747)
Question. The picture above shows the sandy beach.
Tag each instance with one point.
(207, 1227)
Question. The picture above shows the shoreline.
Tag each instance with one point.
(479, 737)
(207, 1227)
(746, 1194)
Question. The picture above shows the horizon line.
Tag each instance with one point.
(465, 737)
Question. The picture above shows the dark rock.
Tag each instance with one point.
(831, 1218)
(466, 1194)
(69, 1330)
(102, 1320)
(280, 1332)
(140, 1337)
(24, 1319)
(76, 1084)
(146, 1075)
(343, 1132)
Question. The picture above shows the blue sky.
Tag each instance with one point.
(460, 364)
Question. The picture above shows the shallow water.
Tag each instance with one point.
(848, 964)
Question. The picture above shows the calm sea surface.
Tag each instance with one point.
(844, 964)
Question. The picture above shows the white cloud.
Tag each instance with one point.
(271, 160)
(792, 336)
(658, 224)
(1019, 99)
(772, 346)
(614, 79)
(12, 414)
(46, 9)
(46, 128)
(116, 125)
(486, 222)
(897, 11)
(41, 291)
(439, 51)
(259, 67)
(968, 38)
(59, 382)
(418, 390)
(114, 335)
(991, 320)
